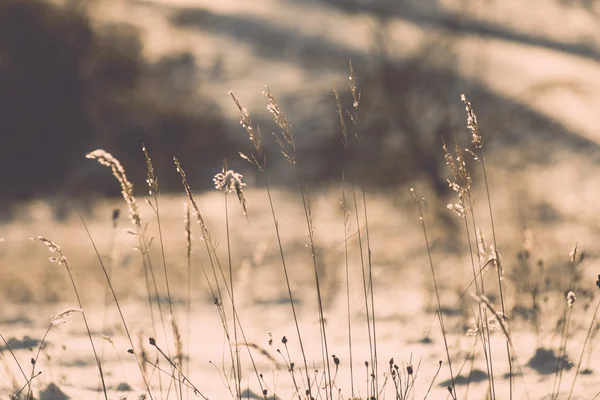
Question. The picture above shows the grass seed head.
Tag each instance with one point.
(151, 178)
(231, 182)
(118, 171)
(571, 299)
(54, 248)
(63, 317)
(472, 124)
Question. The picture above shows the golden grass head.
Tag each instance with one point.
(353, 89)
(246, 122)
(258, 158)
(461, 181)
(151, 178)
(273, 108)
(285, 139)
(118, 171)
(63, 317)
(54, 248)
(472, 124)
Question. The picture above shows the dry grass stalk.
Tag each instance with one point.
(188, 241)
(154, 191)
(188, 191)
(62, 260)
(253, 135)
(340, 112)
(418, 201)
(118, 171)
(460, 182)
(500, 317)
(54, 248)
(285, 138)
(110, 286)
(478, 142)
(367, 273)
(183, 378)
(286, 142)
(212, 253)
(355, 93)
(585, 342)
(151, 178)
(187, 229)
(472, 124)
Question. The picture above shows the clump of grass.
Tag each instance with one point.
(287, 145)
(258, 158)
(217, 294)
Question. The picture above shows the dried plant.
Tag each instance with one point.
(418, 202)
(63, 317)
(254, 134)
(287, 144)
(188, 242)
(215, 264)
(258, 158)
(231, 182)
(285, 138)
(472, 124)
(151, 178)
(118, 171)
(62, 260)
(188, 191)
(460, 182)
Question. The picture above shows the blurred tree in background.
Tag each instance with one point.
(68, 86)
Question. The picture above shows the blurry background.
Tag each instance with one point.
(76, 75)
